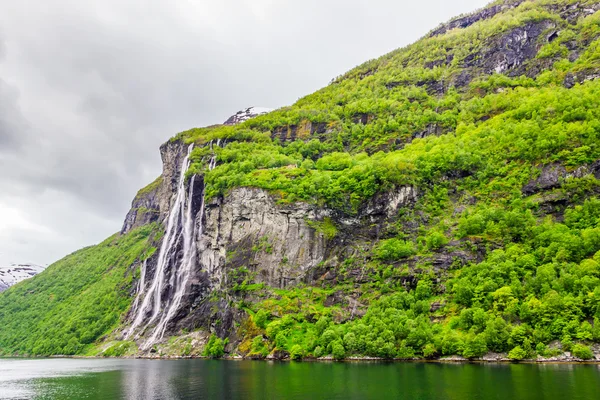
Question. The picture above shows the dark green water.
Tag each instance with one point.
(203, 379)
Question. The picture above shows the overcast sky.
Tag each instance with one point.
(90, 89)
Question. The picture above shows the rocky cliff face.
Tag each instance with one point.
(428, 213)
(247, 236)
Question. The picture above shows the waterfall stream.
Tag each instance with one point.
(163, 299)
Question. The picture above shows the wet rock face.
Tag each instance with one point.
(552, 175)
(154, 204)
(508, 53)
(573, 12)
(549, 178)
(247, 229)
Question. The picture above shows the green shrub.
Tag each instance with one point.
(260, 319)
(435, 240)
(393, 249)
(582, 351)
(337, 350)
(475, 346)
(297, 352)
(517, 353)
(215, 348)
(430, 351)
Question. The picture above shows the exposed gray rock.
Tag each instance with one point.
(580, 77)
(508, 53)
(549, 178)
(275, 242)
(154, 204)
(145, 209)
(434, 129)
(573, 12)
(468, 20)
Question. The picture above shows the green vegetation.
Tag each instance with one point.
(75, 301)
(533, 277)
(215, 347)
(475, 265)
(150, 188)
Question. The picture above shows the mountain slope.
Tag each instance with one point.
(74, 301)
(439, 201)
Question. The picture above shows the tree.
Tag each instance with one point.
(475, 346)
(582, 351)
(296, 353)
(337, 350)
(517, 353)
(215, 348)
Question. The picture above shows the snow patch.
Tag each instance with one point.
(16, 273)
(246, 114)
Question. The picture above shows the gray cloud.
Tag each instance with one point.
(89, 90)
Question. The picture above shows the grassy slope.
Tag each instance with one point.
(74, 301)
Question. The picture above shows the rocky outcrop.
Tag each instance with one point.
(246, 114)
(468, 20)
(153, 202)
(509, 52)
(573, 12)
(275, 243)
(552, 175)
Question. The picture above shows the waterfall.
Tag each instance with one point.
(167, 255)
(171, 273)
(141, 286)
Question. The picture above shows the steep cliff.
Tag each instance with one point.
(439, 201)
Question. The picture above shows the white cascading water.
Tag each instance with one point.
(141, 286)
(180, 226)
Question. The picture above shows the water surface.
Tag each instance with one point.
(206, 379)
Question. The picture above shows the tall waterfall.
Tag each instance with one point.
(172, 272)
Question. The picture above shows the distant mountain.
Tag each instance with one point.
(246, 114)
(16, 273)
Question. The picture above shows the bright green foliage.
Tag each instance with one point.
(517, 354)
(74, 301)
(215, 348)
(326, 227)
(296, 352)
(474, 265)
(337, 350)
(394, 249)
(260, 319)
(118, 349)
(582, 351)
(259, 347)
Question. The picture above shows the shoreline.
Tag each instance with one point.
(445, 360)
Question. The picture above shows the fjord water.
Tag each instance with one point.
(205, 379)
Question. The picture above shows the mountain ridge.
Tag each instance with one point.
(440, 201)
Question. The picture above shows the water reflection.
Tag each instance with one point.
(206, 379)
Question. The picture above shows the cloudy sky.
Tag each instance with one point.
(90, 89)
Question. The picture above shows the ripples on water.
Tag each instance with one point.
(205, 379)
